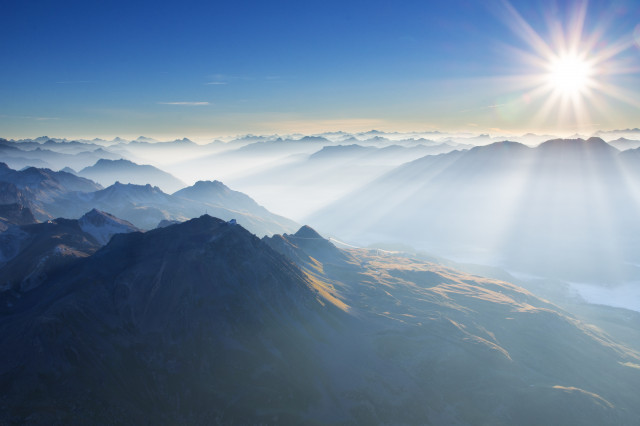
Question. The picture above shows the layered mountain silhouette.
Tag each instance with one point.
(217, 193)
(202, 322)
(51, 194)
(566, 208)
(107, 172)
(52, 154)
(30, 253)
(33, 187)
(146, 206)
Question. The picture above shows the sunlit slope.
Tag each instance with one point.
(476, 350)
(202, 322)
(566, 208)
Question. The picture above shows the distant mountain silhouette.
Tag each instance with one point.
(53, 154)
(624, 143)
(107, 172)
(33, 187)
(145, 206)
(559, 209)
(217, 193)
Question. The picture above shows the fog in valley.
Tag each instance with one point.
(415, 258)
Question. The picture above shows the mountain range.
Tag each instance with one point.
(51, 195)
(479, 284)
(107, 172)
(564, 209)
(202, 322)
(31, 253)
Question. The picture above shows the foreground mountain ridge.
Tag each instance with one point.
(202, 322)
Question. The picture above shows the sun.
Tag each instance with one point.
(570, 75)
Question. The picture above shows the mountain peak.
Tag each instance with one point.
(577, 143)
(102, 225)
(201, 184)
(106, 162)
(307, 232)
(500, 146)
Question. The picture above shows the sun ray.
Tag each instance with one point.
(568, 68)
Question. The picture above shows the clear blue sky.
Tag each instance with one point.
(207, 68)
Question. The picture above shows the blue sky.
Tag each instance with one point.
(209, 68)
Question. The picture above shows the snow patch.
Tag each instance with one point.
(102, 226)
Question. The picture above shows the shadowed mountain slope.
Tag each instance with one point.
(15, 214)
(196, 323)
(202, 322)
(30, 253)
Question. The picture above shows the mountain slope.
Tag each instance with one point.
(201, 322)
(102, 226)
(146, 206)
(30, 253)
(564, 209)
(175, 328)
(215, 194)
(478, 350)
(107, 172)
(33, 187)
(15, 214)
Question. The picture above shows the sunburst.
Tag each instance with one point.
(570, 75)
(570, 70)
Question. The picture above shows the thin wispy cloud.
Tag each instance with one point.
(185, 103)
(485, 107)
(29, 117)
(73, 82)
(216, 83)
